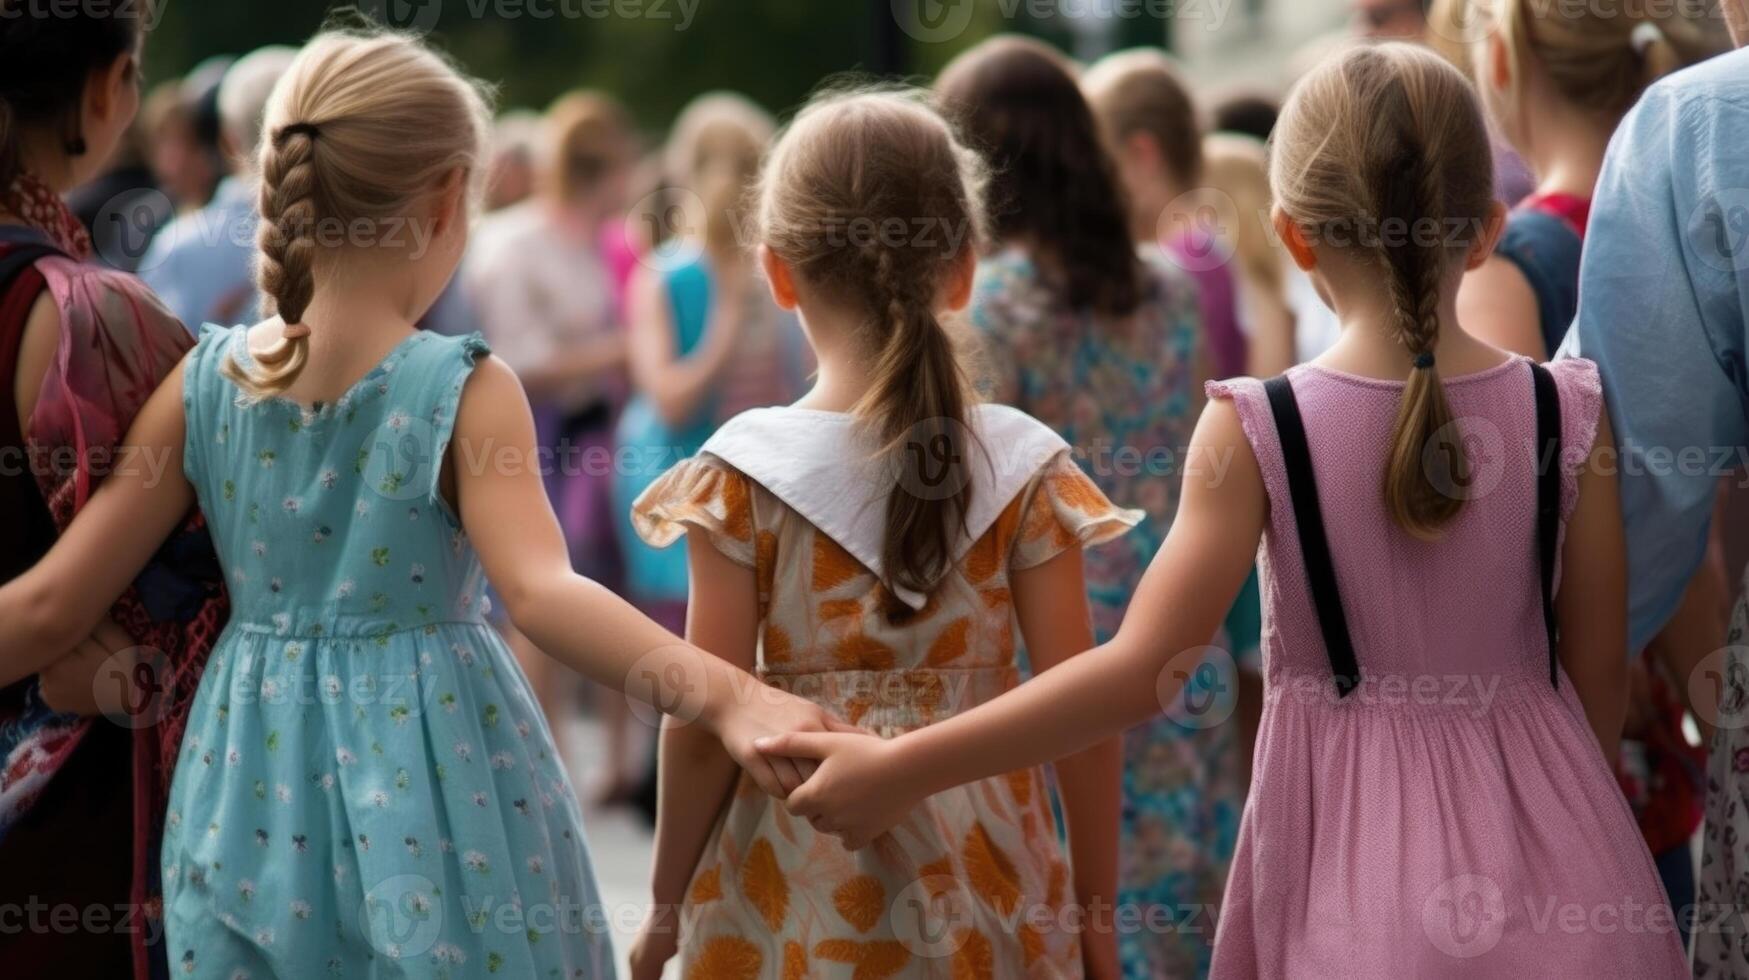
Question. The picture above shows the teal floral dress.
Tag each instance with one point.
(1126, 396)
(366, 787)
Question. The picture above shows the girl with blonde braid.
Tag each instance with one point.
(366, 786)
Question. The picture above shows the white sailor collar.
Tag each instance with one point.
(823, 467)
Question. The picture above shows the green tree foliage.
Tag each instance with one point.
(647, 52)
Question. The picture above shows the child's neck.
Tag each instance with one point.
(1370, 347)
(844, 373)
(351, 331)
(1567, 151)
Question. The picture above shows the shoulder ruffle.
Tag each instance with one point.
(699, 494)
(1581, 391)
(1064, 510)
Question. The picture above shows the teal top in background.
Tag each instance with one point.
(647, 446)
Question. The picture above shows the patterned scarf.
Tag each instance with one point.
(40, 207)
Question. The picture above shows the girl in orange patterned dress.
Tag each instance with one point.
(874, 548)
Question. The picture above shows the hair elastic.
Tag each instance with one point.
(1646, 33)
(1424, 361)
(294, 331)
(287, 132)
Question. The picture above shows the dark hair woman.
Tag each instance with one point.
(1105, 344)
(81, 347)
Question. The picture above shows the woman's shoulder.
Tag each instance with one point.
(102, 298)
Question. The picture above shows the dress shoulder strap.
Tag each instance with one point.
(1314, 545)
(1548, 500)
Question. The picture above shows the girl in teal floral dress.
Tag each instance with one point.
(366, 786)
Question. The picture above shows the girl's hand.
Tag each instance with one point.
(71, 686)
(860, 788)
(656, 943)
(771, 713)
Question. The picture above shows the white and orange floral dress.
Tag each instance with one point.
(974, 883)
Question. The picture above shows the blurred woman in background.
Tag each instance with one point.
(706, 340)
(549, 303)
(1556, 82)
(1234, 165)
(1106, 346)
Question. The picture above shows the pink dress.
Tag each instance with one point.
(1452, 817)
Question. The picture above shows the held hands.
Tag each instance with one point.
(858, 788)
(69, 685)
(773, 713)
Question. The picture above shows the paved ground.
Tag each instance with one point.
(618, 841)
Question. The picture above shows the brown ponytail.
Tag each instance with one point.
(1382, 152)
(917, 407)
(870, 198)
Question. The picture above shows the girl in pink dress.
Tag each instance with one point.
(1445, 617)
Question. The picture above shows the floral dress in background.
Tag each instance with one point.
(1127, 396)
(973, 882)
(367, 787)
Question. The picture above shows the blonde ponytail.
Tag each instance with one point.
(1600, 60)
(849, 172)
(1382, 152)
(362, 127)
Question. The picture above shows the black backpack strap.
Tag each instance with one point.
(1314, 545)
(19, 248)
(1548, 499)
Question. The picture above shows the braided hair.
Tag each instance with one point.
(362, 127)
(1382, 152)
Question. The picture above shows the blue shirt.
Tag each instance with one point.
(202, 265)
(1662, 291)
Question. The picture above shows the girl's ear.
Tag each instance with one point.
(960, 277)
(450, 200)
(777, 273)
(1483, 246)
(1294, 240)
